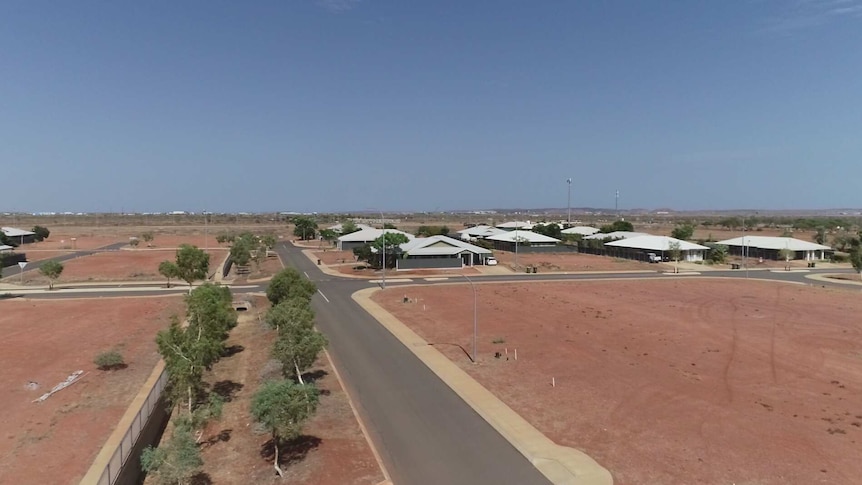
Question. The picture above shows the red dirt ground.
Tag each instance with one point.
(44, 341)
(574, 262)
(334, 451)
(670, 382)
(335, 257)
(139, 264)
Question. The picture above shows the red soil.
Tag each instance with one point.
(573, 262)
(44, 341)
(332, 451)
(676, 381)
(139, 264)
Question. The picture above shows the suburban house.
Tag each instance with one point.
(5, 249)
(19, 236)
(512, 225)
(357, 239)
(479, 232)
(526, 241)
(440, 252)
(640, 247)
(602, 236)
(581, 230)
(770, 247)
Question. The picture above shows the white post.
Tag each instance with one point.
(475, 317)
(21, 264)
(384, 249)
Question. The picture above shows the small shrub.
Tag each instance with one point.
(109, 360)
(498, 340)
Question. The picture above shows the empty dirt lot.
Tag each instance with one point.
(43, 342)
(678, 381)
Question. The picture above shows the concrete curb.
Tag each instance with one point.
(559, 464)
(107, 452)
(824, 277)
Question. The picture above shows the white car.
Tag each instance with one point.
(491, 261)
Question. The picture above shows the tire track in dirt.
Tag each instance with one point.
(734, 305)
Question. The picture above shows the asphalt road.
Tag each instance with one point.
(424, 432)
(32, 266)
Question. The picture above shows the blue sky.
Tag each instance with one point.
(338, 105)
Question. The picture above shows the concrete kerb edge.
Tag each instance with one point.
(561, 465)
(107, 452)
(824, 277)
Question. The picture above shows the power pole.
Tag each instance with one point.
(617, 204)
(569, 202)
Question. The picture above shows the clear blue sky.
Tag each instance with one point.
(353, 104)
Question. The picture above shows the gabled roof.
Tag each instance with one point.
(516, 225)
(481, 231)
(582, 230)
(439, 245)
(15, 232)
(616, 235)
(367, 235)
(338, 227)
(527, 236)
(774, 242)
(655, 243)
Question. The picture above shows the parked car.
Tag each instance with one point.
(653, 258)
(491, 261)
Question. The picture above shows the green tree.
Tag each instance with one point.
(52, 270)
(192, 264)
(298, 343)
(617, 226)
(683, 232)
(148, 238)
(41, 233)
(289, 283)
(174, 462)
(225, 237)
(675, 254)
(428, 231)
(328, 235)
(241, 249)
(393, 241)
(856, 257)
(133, 242)
(820, 235)
(550, 230)
(389, 225)
(349, 227)
(295, 311)
(282, 407)
(305, 227)
(717, 253)
(169, 270)
(210, 313)
(183, 354)
(269, 241)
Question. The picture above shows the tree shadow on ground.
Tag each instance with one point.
(232, 350)
(290, 452)
(313, 377)
(201, 479)
(222, 436)
(227, 389)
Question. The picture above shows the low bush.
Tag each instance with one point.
(109, 360)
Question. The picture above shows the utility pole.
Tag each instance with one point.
(617, 204)
(569, 202)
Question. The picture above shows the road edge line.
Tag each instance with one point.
(362, 427)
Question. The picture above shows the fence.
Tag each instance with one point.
(123, 451)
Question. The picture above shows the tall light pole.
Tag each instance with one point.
(744, 258)
(206, 234)
(617, 204)
(475, 318)
(516, 246)
(383, 224)
(569, 202)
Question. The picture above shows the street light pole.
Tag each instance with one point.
(744, 254)
(569, 202)
(516, 246)
(206, 234)
(475, 318)
(384, 249)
